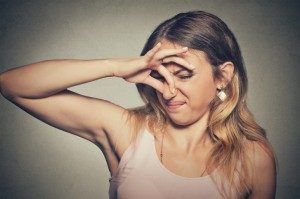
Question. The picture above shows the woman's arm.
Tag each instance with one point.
(41, 90)
(45, 78)
(264, 176)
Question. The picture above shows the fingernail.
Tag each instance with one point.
(185, 48)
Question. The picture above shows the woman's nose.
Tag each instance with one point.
(167, 93)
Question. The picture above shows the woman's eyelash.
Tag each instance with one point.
(185, 76)
(162, 78)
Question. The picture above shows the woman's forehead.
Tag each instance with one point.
(165, 44)
(192, 55)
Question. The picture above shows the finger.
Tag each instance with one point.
(168, 77)
(156, 84)
(179, 61)
(169, 52)
(154, 50)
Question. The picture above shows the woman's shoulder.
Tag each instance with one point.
(262, 164)
(260, 153)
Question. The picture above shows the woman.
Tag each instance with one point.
(193, 138)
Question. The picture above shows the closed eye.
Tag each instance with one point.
(185, 76)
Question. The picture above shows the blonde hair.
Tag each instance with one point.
(230, 122)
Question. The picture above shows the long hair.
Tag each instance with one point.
(230, 122)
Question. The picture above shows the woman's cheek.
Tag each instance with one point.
(199, 90)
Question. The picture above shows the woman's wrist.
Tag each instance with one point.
(119, 67)
(108, 66)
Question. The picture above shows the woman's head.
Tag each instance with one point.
(210, 39)
(195, 89)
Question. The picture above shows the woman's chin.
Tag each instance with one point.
(180, 122)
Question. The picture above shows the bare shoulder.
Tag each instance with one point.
(262, 169)
(261, 155)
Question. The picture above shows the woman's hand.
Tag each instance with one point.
(137, 70)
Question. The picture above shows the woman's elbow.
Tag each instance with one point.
(5, 90)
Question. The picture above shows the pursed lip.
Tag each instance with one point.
(171, 105)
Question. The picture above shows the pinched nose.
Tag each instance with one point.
(167, 93)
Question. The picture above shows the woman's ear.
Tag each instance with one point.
(226, 73)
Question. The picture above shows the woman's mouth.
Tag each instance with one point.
(173, 105)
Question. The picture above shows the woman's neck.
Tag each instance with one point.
(190, 138)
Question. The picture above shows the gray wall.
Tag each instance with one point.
(39, 161)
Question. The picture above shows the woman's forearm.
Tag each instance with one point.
(46, 78)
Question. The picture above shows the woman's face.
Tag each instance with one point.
(195, 89)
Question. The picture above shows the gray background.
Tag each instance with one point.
(39, 161)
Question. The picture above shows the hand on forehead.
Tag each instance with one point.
(192, 56)
(165, 59)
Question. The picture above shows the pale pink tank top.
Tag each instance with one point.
(140, 175)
